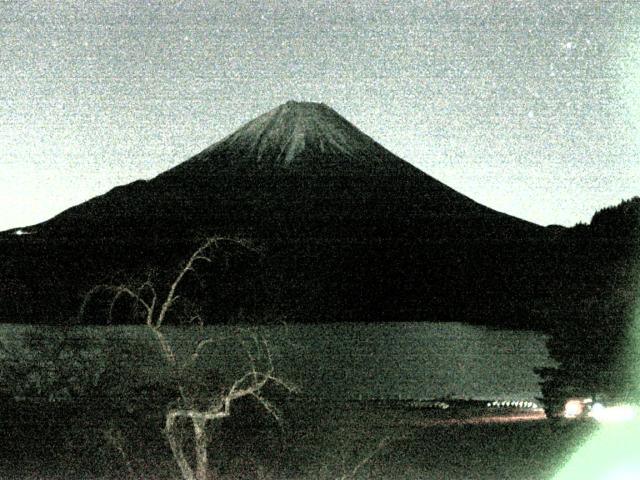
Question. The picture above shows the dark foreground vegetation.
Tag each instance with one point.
(316, 440)
(89, 403)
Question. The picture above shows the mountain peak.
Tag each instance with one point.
(295, 104)
(305, 135)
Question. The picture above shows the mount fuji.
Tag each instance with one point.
(347, 231)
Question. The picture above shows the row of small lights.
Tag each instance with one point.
(513, 403)
(496, 403)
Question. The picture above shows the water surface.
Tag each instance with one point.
(350, 361)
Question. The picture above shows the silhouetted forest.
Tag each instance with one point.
(595, 310)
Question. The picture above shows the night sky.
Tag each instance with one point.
(529, 107)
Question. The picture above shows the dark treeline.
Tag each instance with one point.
(594, 308)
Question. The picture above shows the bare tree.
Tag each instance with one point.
(154, 308)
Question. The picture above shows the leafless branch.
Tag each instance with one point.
(118, 291)
(211, 244)
(249, 384)
(366, 459)
(167, 351)
(258, 374)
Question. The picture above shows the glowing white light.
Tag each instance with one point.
(624, 473)
(596, 409)
(617, 413)
(573, 408)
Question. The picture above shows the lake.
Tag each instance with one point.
(387, 360)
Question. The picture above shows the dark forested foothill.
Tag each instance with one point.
(595, 308)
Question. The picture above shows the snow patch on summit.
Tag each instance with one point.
(290, 132)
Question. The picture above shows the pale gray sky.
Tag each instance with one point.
(529, 107)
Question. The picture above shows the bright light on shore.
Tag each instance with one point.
(573, 409)
(618, 413)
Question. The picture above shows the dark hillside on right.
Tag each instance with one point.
(594, 308)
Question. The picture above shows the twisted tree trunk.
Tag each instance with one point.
(176, 446)
(199, 421)
(200, 434)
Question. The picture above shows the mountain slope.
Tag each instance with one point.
(349, 232)
(301, 135)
